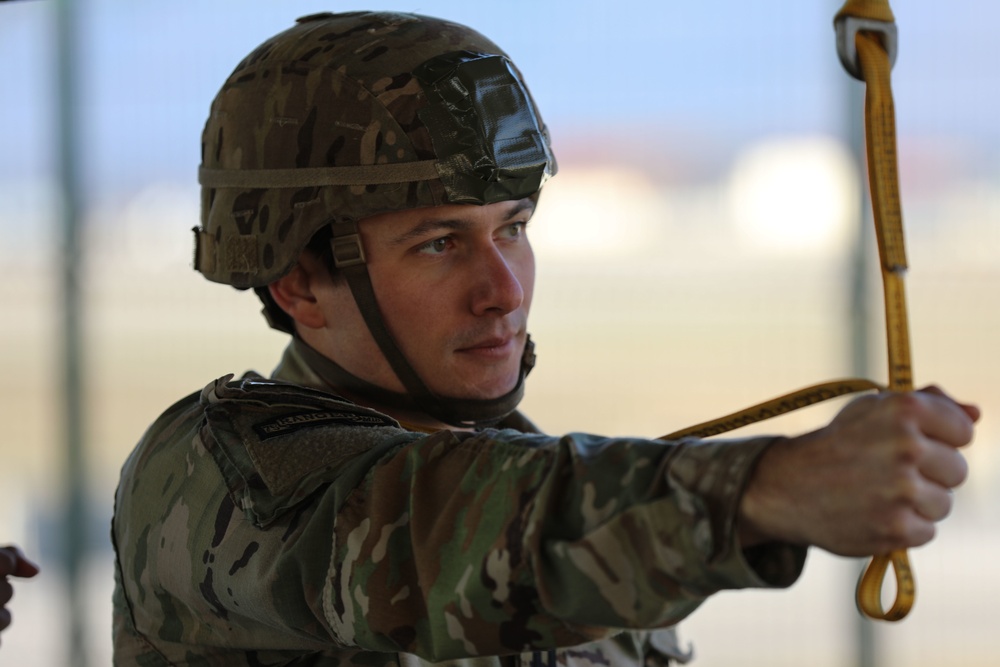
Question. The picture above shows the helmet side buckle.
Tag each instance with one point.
(346, 245)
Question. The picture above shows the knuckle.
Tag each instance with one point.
(894, 530)
(906, 491)
(907, 405)
(905, 411)
(903, 531)
(907, 449)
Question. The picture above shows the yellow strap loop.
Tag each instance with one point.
(869, 592)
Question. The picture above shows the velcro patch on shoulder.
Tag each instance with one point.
(288, 424)
(277, 444)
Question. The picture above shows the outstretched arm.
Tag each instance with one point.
(875, 480)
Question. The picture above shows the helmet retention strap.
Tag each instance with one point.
(349, 258)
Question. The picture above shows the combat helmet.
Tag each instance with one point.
(345, 116)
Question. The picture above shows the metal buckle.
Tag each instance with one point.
(848, 27)
(347, 251)
(345, 243)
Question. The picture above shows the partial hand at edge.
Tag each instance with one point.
(13, 563)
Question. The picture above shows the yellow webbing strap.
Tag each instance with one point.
(866, 40)
(875, 10)
(880, 137)
(802, 398)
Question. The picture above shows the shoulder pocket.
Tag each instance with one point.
(278, 444)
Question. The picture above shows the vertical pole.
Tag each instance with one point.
(73, 543)
(862, 265)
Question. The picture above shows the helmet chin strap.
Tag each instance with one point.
(459, 412)
(348, 256)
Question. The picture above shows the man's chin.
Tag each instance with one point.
(482, 389)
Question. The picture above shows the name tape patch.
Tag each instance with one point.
(279, 426)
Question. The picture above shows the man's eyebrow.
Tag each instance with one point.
(426, 227)
(522, 205)
(431, 226)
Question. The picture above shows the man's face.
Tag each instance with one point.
(454, 284)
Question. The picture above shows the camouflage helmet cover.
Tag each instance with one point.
(344, 116)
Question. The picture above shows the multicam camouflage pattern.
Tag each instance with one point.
(338, 91)
(268, 522)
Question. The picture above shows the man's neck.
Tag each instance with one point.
(294, 368)
(412, 420)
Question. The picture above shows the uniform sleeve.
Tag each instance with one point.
(294, 521)
(463, 544)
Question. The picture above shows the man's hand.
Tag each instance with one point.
(12, 564)
(875, 480)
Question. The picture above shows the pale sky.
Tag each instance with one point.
(710, 74)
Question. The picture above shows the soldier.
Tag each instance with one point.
(379, 500)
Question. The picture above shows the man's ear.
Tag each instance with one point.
(294, 293)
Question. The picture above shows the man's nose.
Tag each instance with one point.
(496, 286)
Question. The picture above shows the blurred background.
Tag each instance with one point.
(703, 247)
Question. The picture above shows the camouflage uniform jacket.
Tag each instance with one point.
(269, 522)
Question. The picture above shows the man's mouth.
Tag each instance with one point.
(498, 347)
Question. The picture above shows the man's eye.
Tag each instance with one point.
(515, 230)
(435, 247)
